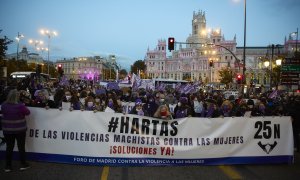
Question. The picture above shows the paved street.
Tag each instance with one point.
(44, 171)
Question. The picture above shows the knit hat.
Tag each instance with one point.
(138, 102)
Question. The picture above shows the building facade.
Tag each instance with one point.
(31, 58)
(191, 59)
(88, 68)
(27, 56)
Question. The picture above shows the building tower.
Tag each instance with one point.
(199, 32)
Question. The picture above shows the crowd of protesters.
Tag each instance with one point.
(84, 95)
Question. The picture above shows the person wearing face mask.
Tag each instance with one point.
(150, 106)
(74, 100)
(157, 98)
(226, 108)
(182, 109)
(42, 100)
(113, 104)
(67, 96)
(259, 109)
(126, 96)
(90, 103)
(212, 110)
(138, 108)
(162, 99)
(197, 105)
(170, 99)
(98, 105)
(66, 104)
(163, 113)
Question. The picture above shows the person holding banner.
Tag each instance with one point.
(183, 109)
(226, 109)
(112, 103)
(14, 128)
(150, 106)
(42, 100)
(89, 103)
(163, 113)
(197, 104)
(138, 108)
(75, 103)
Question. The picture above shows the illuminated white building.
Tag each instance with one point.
(24, 54)
(88, 68)
(191, 61)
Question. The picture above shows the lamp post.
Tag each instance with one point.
(271, 65)
(49, 34)
(18, 38)
(244, 48)
(267, 64)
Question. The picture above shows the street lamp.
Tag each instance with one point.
(49, 34)
(278, 62)
(35, 43)
(244, 48)
(267, 64)
(18, 38)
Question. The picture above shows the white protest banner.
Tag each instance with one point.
(115, 139)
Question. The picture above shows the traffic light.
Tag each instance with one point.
(171, 42)
(211, 63)
(60, 70)
(239, 79)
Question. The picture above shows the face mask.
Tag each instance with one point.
(179, 104)
(140, 113)
(162, 100)
(68, 98)
(110, 104)
(163, 113)
(90, 104)
(97, 100)
(195, 99)
(150, 100)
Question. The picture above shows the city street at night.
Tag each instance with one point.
(131, 90)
